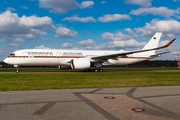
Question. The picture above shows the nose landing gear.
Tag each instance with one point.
(17, 69)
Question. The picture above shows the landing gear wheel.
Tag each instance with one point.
(17, 70)
(96, 70)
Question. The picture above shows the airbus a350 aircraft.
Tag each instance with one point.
(90, 60)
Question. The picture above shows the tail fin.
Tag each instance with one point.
(153, 43)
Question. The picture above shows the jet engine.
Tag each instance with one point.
(82, 63)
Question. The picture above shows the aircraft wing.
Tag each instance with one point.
(124, 54)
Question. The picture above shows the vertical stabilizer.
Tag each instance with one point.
(153, 43)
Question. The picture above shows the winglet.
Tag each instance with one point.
(168, 44)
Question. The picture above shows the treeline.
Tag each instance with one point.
(155, 63)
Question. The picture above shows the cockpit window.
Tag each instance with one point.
(12, 54)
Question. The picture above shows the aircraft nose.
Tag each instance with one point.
(6, 60)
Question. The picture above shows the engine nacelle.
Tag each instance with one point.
(64, 67)
(82, 63)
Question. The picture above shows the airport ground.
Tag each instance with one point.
(19, 99)
(132, 103)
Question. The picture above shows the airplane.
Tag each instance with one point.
(87, 60)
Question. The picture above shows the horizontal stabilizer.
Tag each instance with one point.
(159, 54)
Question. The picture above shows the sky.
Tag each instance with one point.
(88, 24)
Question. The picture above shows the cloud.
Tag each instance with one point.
(119, 45)
(9, 22)
(58, 6)
(176, 0)
(84, 44)
(168, 27)
(128, 43)
(103, 2)
(10, 9)
(42, 47)
(114, 17)
(118, 36)
(162, 11)
(67, 45)
(119, 40)
(13, 45)
(78, 19)
(142, 3)
(63, 32)
(88, 42)
(34, 33)
(24, 7)
(34, 21)
(86, 4)
(63, 6)
(14, 27)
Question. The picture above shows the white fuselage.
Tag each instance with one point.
(46, 57)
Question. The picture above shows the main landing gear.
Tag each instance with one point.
(95, 67)
(94, 70)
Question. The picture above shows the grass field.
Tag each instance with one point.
(41, 79)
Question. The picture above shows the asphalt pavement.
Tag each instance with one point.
(137, 103)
